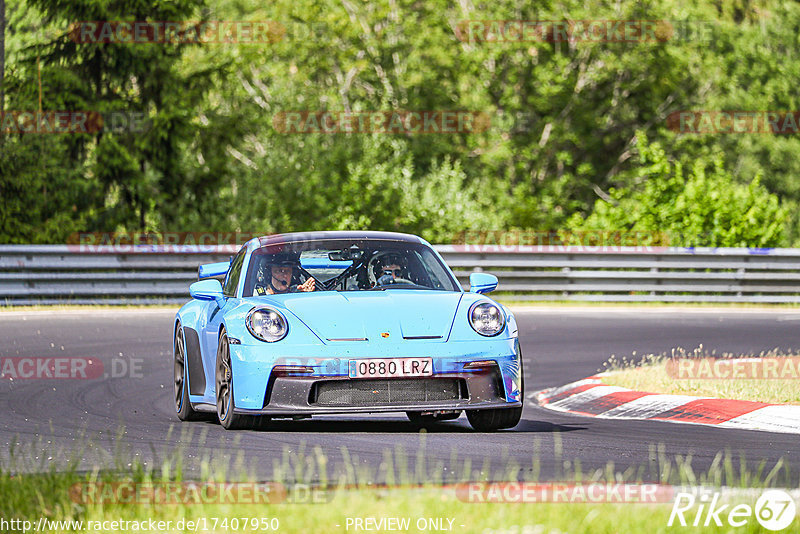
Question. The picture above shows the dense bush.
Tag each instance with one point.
(699, 205)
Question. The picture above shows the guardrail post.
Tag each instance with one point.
(740, 272)
(657, 281)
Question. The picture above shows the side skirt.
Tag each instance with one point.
(194, 362)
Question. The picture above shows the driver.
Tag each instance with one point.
(275, 276)
(390, 268)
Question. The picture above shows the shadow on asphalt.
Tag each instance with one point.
(382, 426)
(544, 427)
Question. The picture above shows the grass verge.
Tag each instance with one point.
(422, 509)
(424, 495)
(659, 374)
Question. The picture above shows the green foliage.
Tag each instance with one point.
(358, 182)
(564, 120)
(134, 171)
(390, 194)
(41, 201)
(700, 205)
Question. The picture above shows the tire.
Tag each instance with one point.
(494, 419)
(499, 418)
(226, 404)
(181, 383)
(419, 419)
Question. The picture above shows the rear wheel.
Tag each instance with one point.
(181, 385)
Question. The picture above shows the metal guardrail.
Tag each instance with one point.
(634, 274)
(51, 274)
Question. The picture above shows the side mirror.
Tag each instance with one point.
(482, 283)
(211, 270)
(207, 290)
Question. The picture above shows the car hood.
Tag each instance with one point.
(389, 315)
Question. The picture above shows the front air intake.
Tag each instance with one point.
(386, 392)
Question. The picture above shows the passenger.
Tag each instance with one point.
(275, 276)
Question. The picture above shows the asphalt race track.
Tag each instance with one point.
(51, 418)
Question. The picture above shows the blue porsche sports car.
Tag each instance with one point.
(345, 322)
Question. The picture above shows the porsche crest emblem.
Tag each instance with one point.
(384, 334)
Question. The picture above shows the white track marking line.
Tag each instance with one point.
(784, 418)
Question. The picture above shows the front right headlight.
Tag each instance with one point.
(267, 324)
(486, 319)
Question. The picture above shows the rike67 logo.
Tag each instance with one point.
(774, 510)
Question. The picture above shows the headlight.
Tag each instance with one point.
(486, 319)
(266, 324)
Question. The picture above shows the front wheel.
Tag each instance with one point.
(224, 390)
(499, 418)
(494, 419)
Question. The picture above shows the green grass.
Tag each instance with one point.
(650, 374)
(33, 496)
(422, 491)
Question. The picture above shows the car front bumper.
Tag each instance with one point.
(456, 384)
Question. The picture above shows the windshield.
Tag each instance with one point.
(346, 265)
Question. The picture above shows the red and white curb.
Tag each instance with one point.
(593, 398)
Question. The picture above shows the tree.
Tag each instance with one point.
(140, 170)
(2, 57)
(699, 206)
(564, 113)
(42, 200)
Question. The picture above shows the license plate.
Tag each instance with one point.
(391, 367)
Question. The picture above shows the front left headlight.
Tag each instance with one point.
(486, 319)
(266, 324)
